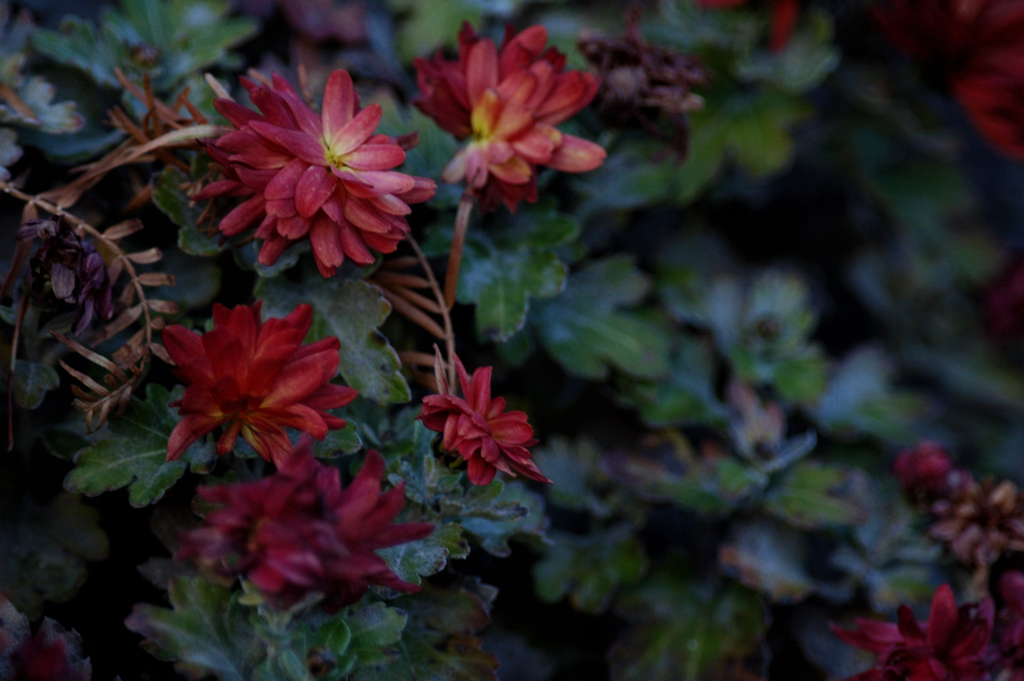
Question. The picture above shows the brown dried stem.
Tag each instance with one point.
(451, 277)
(449, 334)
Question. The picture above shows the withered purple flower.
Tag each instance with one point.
(642, 83)
(68, 269)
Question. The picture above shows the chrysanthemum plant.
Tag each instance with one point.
(682, 355)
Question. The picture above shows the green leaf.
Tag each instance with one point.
(589, 568)
(769, 557)
(811, 495)
(428, 556)
(804, 63)
(352, 311)
(585, 330)
(206, 632)
(860, 397)
(437, 641)
(373, 629)
(427, 28)
(751, 128)
(43, 549)
(576, 474)
(685, 631)
(686, 480)
(686, 396)
(343, 441)
(135, 452)
(167, 40)
(174, 203)
(506, 265)
(516, 513)
(10, 152)
(32, 381)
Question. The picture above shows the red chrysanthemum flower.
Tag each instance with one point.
(925, 471)
(507, 103)
(298, 532)
(480, 430)
(784, 17)
(1003, 301)
(1008, 654)
(257, 378)
(950, 647)
(978, 46)
(324, 177)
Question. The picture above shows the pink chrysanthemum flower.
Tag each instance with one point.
(507, 104)
(298, 532)
(326, 177)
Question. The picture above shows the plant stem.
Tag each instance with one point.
(451, 277)
(449, 333)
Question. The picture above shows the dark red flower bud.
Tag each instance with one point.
(924, 471)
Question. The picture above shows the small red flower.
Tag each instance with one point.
(480, 430)
(324, 177)
(978, 47)
(925, 471)
(1003, 301)
(784, 17)
(507, 103)
(1008, 655)
(298, 532)
(950, 647)
(257, 378)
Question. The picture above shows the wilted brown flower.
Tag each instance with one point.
(67, 269)
(979, 521)
(643, 82)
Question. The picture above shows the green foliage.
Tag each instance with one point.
(43, 549)
(684, 630)
(861, 398)
(505, 265)
(769, 557)
(208, 631)
(437, 642)
(134, 453)
(589, 568)
(490, 515)
(586, 330)
(36, 110)
(167, 40)
(32, 381)
(351, 311)
(174, 203)
(811, 495)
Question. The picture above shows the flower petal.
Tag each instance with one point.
(339, 101)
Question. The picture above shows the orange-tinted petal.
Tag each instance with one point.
(577, 155)
(481, 70)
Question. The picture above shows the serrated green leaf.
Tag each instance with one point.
(587, 332)
(437, 643)
(686, 630)
(166, 40)
(135, 453)
(805, 62)
(32, 381)
(589, 568)
(343, 441)
(425, 29)
(687, 395)
(352, 311)
(424, 557)
(769, 557)
(174, 203)
(374, 628)
(43, 549)
(860, 397)
(810, 495)
(523, 519)
(207, 632)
